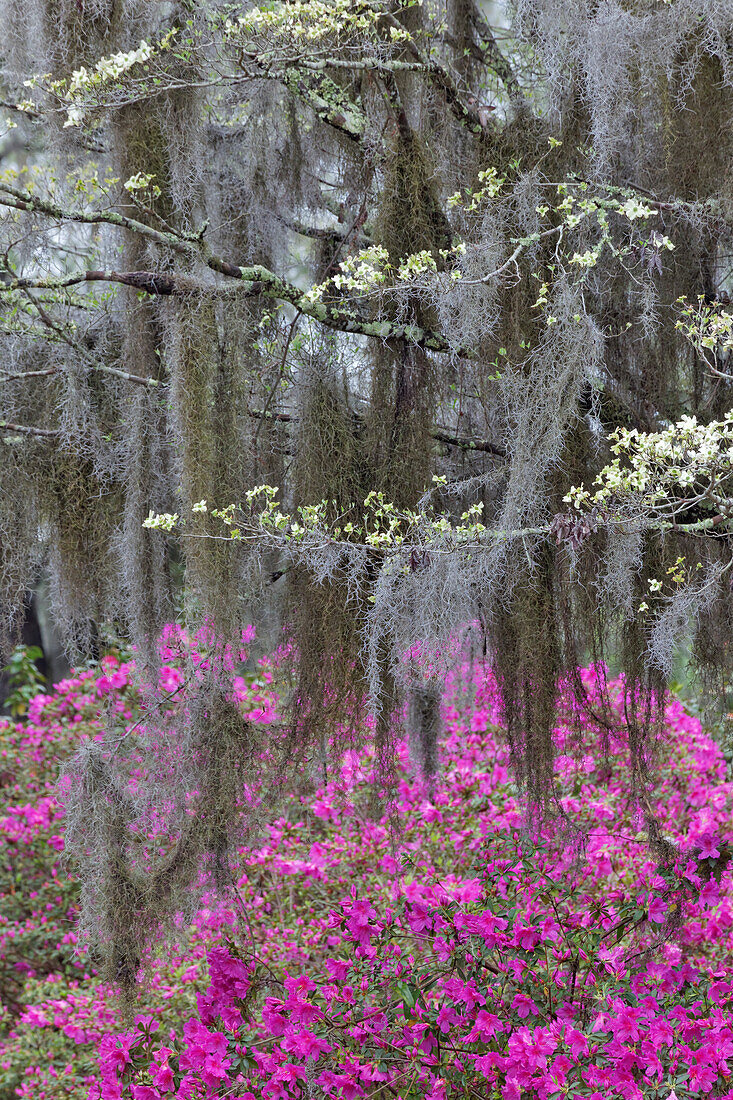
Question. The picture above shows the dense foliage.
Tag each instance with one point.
(441, 954)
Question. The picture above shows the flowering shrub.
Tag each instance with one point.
(445, 955)
(53, 1010)
(49, 1016)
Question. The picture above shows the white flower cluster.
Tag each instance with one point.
(142, 181)
(382, 525)
(471, 200)
(106, 70)
(364, 270)
(686, 464)
(416, 264)
(708, 325)
(588, 258)
(371, 269)
(634, 209)
(312, 20)
(164, 521)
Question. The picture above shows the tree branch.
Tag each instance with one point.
(93, 363)
(256, 280)
(442, 435)
(24, 429)
(30, 203)
(252, 281)
(320, 93)
(466, 443)
(467, 115)
(307, 79)
(498, 61)
(318, 233)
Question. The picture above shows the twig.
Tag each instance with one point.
(25, 429)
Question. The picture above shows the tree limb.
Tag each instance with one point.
(466, 114)
(466, 443)
(253, 281)
(497, 60)
(18, 199)
(93, 363)
(442, 435)
(24, 429)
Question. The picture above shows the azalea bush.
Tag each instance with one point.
(54, 1009)
(440, 949)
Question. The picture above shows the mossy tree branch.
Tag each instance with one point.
(253, 282)
(438, 433)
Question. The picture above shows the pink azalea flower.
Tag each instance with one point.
(485, 1027)
(524, 1006)
(625, 1025)
(338, 968)
(306, 1045)
(658, 910)
(710, 893)
(169, 678)
(708, 847)
(577, 1041)
(214, 1070)
(163, 1078)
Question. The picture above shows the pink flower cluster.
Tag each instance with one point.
(53, 1011)
(442, 952)
(473, 959)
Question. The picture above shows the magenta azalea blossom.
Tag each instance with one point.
(708, 847)
(658, 910)
(626, 1024)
